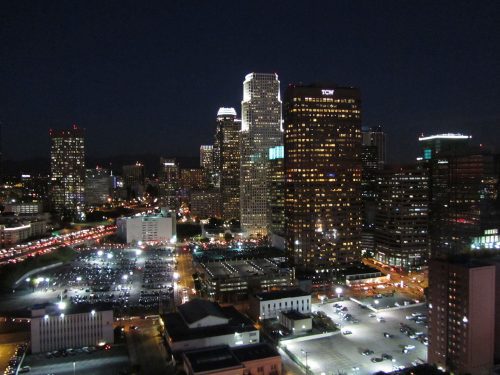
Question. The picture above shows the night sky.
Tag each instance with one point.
(149, 78)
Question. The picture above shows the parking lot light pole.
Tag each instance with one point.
(306, 353)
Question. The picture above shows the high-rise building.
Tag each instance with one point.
(375, 137)
(133, 180)
(463, 189)
(260, 130)
(277, 190)
(462, 315)
(227, 161)
(191, 178)
(68, 172)
(98, 186)
(401, 224)
(169, 183)
(322, 175)
(207, 162)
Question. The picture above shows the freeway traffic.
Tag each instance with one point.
(20, 252)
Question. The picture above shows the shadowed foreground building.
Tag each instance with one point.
(323, 212)
(462, 319)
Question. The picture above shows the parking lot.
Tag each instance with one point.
(130, 280)
(378, 335)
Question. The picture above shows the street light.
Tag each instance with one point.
(306, 353)
(339, 291)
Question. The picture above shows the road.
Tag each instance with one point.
(185, 270)
(146, 348)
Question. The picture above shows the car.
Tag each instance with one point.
(386, 356)
(368, 352)
(372, 315)
(381, 319)
(388, 335)
(409, 347)
(376, 359)
(346, 332)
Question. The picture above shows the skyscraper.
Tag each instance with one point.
(277, 190)
(463, 191)
(227, 161)
(375, 137)
(169, 183)
(98, 185)
(133, 179)
(260, 131)
(68, 172)
(207, 162)
(322, 175)
(401, 221)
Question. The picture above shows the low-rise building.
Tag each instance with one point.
(295, 321)
(14, 232)
(230, 280)
(204, 324)
(28, 208)
(159, 227)
(269, 305)
(259, 359)
(52, 329)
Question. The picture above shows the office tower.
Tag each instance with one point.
(98, 185)
(68, 172)
(369, 194)
(205, 203)
(207, 162)
(375, 137)
(322, 175)
(463, 191)
(462, 315)
(276, 180)
(133, 180)
(191, 178)
(227, 161)
(260, 130)
(401, 223)
(169, 183)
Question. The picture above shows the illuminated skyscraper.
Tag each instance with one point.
(67, 165)
(463, 191)
(260, 131)
(227, 161)
(277, 190)
(322, 175)
(207, 162)
(169, 183)
(375, 137)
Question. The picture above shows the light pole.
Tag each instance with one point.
(339, 291)
(305, 353)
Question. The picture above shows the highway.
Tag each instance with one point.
(20, 252)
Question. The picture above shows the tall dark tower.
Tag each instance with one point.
(322, 125)
(227, 161)
(67, 166)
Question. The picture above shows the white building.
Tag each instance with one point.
(29, 208)
(204, 324)
(260, 131)
(295, 322)
(158, 227)
(13, 233)
(269, 305)
(54, 330)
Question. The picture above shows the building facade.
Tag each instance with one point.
(462, 316)
(98, 187)
(227, 162)
(276, 195)
(260, 130)
(169, 179)
(67, 166)
(207, 162)
(463, 190)
(402, 218)
(56, 331)
(322, 175)
(160, 227)
(133, 180)
(269, 305)
(375, 137)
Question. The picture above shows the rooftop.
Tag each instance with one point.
(279, 294)
(242, 268)
(210, 359)
(294, 315)
(198, 309)
(254, 351)
(178, 330)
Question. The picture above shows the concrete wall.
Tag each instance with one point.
(233, 339)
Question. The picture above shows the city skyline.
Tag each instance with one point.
(127, 72)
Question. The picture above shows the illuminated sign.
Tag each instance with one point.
(327, 92)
